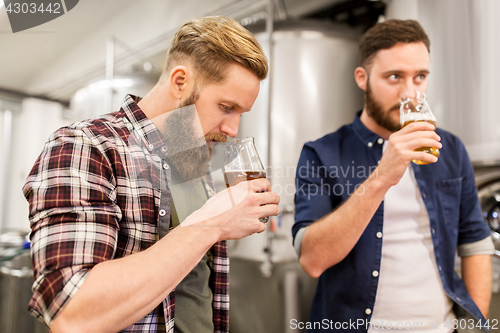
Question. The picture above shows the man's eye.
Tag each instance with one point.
(226, 108)
(393, 77)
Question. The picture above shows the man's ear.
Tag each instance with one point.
(361, 77)
(179, 81)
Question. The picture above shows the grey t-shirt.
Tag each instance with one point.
(193, 296)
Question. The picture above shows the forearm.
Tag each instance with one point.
(477, 277)
(329, 240)
(117, 293)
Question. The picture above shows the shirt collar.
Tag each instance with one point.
(367, 137)
(141, 123)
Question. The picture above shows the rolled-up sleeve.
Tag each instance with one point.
(73, 215)
(482, 247)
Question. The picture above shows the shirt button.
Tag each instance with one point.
(164, 149)
(370, 144)
(433, 230)
(163, 212)
(459, 299)
(165, 166)
(151, 146)
(424, 195)
(375, 273)
(380, 141)
(439, 268)
(368, 311)
(379, 234)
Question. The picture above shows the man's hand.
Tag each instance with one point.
(236, 210)
(401, 147)
(329, 240)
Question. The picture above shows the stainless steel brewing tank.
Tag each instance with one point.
(313, 93)
(488, 184)
(16, 278)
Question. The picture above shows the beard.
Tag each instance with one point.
(188, 151)
(377, 113)
(191, 100)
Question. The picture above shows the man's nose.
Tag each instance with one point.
(408, 90)
(230, 125)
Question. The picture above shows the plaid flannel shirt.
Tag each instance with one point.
(99, 192)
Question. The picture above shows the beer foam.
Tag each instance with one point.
(416, 116)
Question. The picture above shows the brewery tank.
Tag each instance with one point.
(313, 92)
(310, 92)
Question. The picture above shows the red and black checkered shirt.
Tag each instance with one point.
(96, 193)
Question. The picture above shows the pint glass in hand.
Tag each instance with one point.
(417, 109)
(242, 163)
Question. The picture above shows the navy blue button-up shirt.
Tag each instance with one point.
(328, 172)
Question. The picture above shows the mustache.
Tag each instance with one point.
(217, 137)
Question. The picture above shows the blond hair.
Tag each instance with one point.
(210, 44)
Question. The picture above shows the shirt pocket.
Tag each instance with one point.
(449, 194)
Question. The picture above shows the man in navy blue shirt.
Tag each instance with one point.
(380, 232)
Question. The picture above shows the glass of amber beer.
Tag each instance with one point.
(242, 163)
(417, 109)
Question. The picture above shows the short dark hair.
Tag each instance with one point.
(386, 34)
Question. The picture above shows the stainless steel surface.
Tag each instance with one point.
(258, 303)
(488, 183)
(495, 308)
(465, 76)
(4, 163)
(313, 93)
(291, 298)
(267, 265)
(11, 239)
(16, 278)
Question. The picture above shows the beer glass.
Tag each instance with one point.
(242, 163)
(417, 109)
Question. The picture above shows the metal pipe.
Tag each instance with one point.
(5, 164)
(19, 95)
(110, 71)
(267, 265)
(110, 58)
(281, 10)
(291, 299)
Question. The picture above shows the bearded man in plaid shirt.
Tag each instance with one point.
(110, 250)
